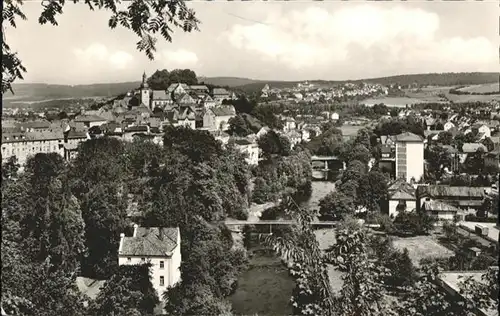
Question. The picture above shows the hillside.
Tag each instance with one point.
(433, 79)
(227, 81)
(39, 91)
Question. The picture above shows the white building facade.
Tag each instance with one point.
(409, 157)
(159, 246)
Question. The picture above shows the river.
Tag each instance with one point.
(319, 190)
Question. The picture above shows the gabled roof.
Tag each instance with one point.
(75, 134)
(36, 124)
(150, 241)
(242, 142)
(220, 91)
(437, 191)
(89, 118)
(438, 206)
(161, 95)
(399, 189)
(408, 137)
(224, 110)
(473, 147)
(199, 87)
(174, 86)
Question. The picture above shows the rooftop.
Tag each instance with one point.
(408, 137)
(439, 206)
(150, 241)
(89, 118)
(227, 110)
(451, 191)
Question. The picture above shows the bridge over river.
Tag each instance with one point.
(326, 167)
(235, 225)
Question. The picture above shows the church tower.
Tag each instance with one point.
(145, 92)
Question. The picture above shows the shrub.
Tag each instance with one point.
(473, 218)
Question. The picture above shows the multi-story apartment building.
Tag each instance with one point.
(26, 144)
(409, 157)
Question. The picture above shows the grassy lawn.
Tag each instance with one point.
(265, 289)
(421, 247)
(482, 88)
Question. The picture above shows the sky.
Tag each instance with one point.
(302, 40)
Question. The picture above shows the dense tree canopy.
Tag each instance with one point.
(162, 79)
(273, 144)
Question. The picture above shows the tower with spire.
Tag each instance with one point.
(145, 91)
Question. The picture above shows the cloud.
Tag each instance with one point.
(99, 53)
(180, 57)
(363, 35)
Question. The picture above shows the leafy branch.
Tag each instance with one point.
(145, 18)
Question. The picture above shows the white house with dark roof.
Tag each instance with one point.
(217, 118)
(401, 197)
(159, 246)
(250, 149)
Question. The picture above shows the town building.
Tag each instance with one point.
(27, 144)
(409, 157)
(250, 149)
(90, 120)
(217, 118)
(463, 198)
(401, 198)
(161, 247)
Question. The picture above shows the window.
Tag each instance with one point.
(129, 259)
(162, 281)
(162, 264)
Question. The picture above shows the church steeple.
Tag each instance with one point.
(144, 83)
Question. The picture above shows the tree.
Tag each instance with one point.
(437, 159)
(336, 205)
(360, 153)
(186, 76)
(10, 168)
(403, 272)
(445, 138)
(238, 126)
(414, 223)
(198, 146)
(355, 171)
(129, 291)
(146, 20)
(159, 80)
(242, 105)
(273, 144)
(372, 190)
(261, 191)
(104, 213)
(265, 114)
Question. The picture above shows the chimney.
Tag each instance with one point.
(135, 230)
(160, 233)
(122, 235)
